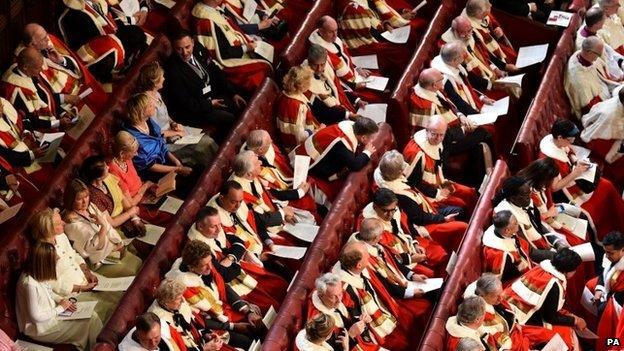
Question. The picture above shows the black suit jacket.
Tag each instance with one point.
(183, 88)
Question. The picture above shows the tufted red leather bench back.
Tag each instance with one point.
(468, 266)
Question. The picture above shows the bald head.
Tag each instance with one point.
(436, 129)
(592, 48)
(462, 28)
(477, 8)
(371, 230)
(327, 28)
(429, 78)
(259, 141)
(352, 256)
(594, 19)
(34, 35)
(30, 61)
(453, 53)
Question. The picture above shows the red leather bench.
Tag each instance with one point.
(549, 104)
(323, 253)
(468, 266)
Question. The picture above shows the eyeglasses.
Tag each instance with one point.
(389, 210)
(435, 134)
(599, 54)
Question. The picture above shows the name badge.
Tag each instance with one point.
(206, 89)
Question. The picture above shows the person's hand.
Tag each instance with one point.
(239, 101)
(388, 27)
(243, 328)
(419, 293)
(532, 7)
(255, 319)
(360, 85)
(66, 122)
(71, 99)
(54, 55)
(418, 257)
(264, 24)
(251, 46)
(322, 125)
(486, 100)
(91, 278)
(68, 305)
(580, 168)
(358, 327)
(289, 215)
(408, 15)
(553, 211)
(511, 68)
(370, 148)
(597, 297)
(146, 186)
(451, 217)
(420, 278)
(363, 72)
(133, 211)
(12, 182)
(87, 287)
(468, 124)
(215, 344)
(354, 116)
(101, 218)
(140, 17)
(218, 103)
(361, 104)
(343, 340)
(498, 32)
(183, 170)
(305, 186)
(226, 262)
(579, 323)
(443, 193)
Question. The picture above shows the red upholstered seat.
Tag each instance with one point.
(468, 266)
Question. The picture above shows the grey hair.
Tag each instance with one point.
(501, 219)
(316, 53)
(451, 51)
(590, 43)
(470, 310)
(169, 290)
(325, 280)
(474, 7)
(487, 284)
(391, 165)
(370, 229)
(603, 3)
(242, 163)
(467, 344)
(255, 139)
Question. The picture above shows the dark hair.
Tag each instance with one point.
(566, 260)
(180, 34)
(92, 168)
(564, 128)
(146, 321)
(365, 126)
(593, 16)
(350, 257)
(227, 186)
(72, 189)
(207, 211)
(195, 251)
(509, 188)
(501, 219)
(615, 239)
(540, 173)
(384, 197)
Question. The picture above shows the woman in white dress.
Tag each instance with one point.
(38, 307)
(315, 334)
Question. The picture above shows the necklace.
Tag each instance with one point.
(122, 165)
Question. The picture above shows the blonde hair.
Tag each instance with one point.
(136, 106)
(169, 290)
(124, 141)
(42, 262)
(295, 79)
(148, 76)
(42, 224)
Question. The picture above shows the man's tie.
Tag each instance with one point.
(395, 226)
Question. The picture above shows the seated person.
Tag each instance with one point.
(125, 147)
(468, 323)
(93, 235)
(195, 88)
(249, 278)
(411, 248)
(488, 34)
(333, 153)
(505, 253)
(440, 223)
(37, 307)
(317, 331)
(295, 119)
(150, 333)
(230, 46)
(603, 135)
(63, 69)
(186, 327)
(467, 344)
(107, 195)
(150, 81)
(327, 299)
(462, 136)
(612, 32)
(587, 80)
(29, 91)
(154, 159)
(426, 157)
(590, 196)
(547, 282)
(206, 291)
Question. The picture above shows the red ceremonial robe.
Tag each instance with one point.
(527, 229)
(295, 121)
(101, 47)
(485, 41)
(604, 218)
(327, 87)
(455, 332)
(497, 250)
(543, 201)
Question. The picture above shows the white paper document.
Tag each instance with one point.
(249, 10)
(419, 6)
(376, 83)
(481, 119)
(300, 173)
(113, 284)
(585, 251)
(556, 344)
(10, 212)
(366, 61)
(171, 205)
(559, 18)
(153, 233)
(189, 139)
(578, 226)
(398, 35)
(269, 318)
(586, 334)
(29, 346)
(590, 174)
(54, 141)
(450, 266)
(500, 107)
(84, 310)
(130, 7)
(256, 345)
(530, 55)
(86, 117)
(292, 281)
(166, 3)
(513, 80)
(430, 284)
(581, 152)
(193, 131)
(292, 252)
(265, 50)
(302, 231)
(85, 93)
(376, 112)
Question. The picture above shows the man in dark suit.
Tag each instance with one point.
(196, 90)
